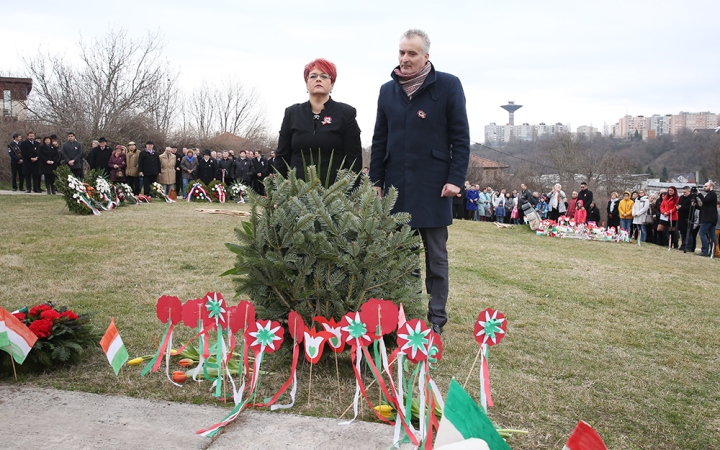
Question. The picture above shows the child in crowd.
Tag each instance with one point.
(542, 207)
(580, 213)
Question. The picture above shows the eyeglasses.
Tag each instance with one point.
(314, 76)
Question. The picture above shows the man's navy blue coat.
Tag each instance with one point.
(420, 144)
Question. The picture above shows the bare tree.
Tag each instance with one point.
(117, 80)
(229, 106)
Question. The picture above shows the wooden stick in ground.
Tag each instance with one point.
(337, 372)
(12, 361)
(471, 368)
(310, 384)
(369, 386)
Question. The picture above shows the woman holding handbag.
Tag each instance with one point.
(117, 165)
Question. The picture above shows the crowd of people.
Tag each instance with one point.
(667, 219)
(33, 158)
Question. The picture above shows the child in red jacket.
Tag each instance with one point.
(580, 213)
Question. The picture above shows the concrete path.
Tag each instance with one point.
(35, 418)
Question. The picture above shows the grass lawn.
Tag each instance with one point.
(625, 338)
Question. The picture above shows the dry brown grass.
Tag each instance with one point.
(619, 336)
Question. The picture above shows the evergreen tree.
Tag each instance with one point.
(664, 176)
(325, 250)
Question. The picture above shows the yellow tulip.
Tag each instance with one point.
(135, 362)
(385, 410)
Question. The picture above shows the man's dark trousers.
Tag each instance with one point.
(436, 272)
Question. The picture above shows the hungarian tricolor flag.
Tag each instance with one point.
(464, 421)
(114, 348)
(15, 337)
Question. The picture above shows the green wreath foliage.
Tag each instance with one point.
(210, 192)
(325, 250)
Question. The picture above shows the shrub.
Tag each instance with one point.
(325, 250)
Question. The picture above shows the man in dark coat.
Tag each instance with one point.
(207, 168)
(525, 196)
(148, 166)
(99, 157)
(225, 171)
(72, 153)
(421, 146)
(243, 168)
(16, 162)
(708, 218)
(585, 194)
(31, 165)
(260, 171)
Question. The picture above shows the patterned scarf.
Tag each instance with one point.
(411, 82)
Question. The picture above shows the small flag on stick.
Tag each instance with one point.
(15, 337)
(114, 348)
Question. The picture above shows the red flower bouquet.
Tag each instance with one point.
(62, 335)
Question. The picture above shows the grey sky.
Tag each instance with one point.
(575, 62)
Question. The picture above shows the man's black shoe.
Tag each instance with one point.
(437, 329)
(702, 254)
(14, 190)
(28, 191)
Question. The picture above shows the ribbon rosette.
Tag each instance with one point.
(490, 327)
(413, 341)
(265, 336)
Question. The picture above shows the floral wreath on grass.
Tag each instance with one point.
(125, 193)
(198, 193)
(238, 190)
(157, 190)
(79, 196)
(106, 193)
(218, 191)
(63, 336)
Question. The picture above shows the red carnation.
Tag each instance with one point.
(41, 327)
(69, 315)
(19, 316)
(36, 310)
(50, 314)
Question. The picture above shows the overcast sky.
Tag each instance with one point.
(575, 62)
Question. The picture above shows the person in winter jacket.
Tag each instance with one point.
(49, 159)
(188, 166)
(580, 213)
(613, 212)
(625, 211)
(166, 177)
(542, 207)
(472, 197)
(556, 202)
(117, 165)
(640, 213)
(572, 205)
(669, 217)
(593, 213)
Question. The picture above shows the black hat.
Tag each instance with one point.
(102, 139)
(206, 152)
(149, 142)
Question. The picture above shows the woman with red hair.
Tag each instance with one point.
(321, 131)
(669, 217)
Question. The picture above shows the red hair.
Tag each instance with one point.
(321, 64)
(676, 196)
